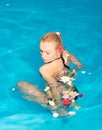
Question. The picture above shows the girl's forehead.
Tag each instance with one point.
(48, 45)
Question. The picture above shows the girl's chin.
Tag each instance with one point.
(46, 61)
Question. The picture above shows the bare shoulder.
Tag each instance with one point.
(42, 69)
(51, 69)
(45, 70)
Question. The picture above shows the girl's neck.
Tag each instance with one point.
(54, 60)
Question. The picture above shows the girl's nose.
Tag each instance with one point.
(43, 54)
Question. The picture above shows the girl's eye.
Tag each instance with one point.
(47, 53)
(41, 52)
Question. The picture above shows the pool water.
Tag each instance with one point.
(22, 24)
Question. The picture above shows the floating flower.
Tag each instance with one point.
(52, 103)
(46, 89)
(60, 49)
(65, 95)
(66, 79)
(66, 102)
(71, 113)
(72, 95)
(83, 72)
(55, 114)
(77, 107)
(80, 95)
(13, 89)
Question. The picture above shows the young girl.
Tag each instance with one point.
(60, 93)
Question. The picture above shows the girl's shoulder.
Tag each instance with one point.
(46, 69)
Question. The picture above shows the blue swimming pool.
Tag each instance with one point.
(22, 24)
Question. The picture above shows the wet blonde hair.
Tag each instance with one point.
(53, 36)
(56, 36)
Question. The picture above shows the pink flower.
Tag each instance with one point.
(60, 49)
(80, 95)
(72, 95)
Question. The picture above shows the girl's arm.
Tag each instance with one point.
(69, 58)
(53, 84)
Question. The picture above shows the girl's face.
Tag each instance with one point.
(49, 51)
